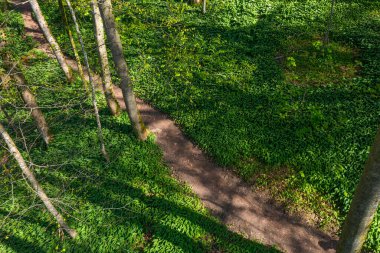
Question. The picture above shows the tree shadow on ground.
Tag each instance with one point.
(19, 245)
(153, 218)
(262, 116)
(134, 191)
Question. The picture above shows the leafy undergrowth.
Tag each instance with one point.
(131, 204)
(252, 80)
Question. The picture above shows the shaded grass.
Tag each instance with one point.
(314, 110)
(128, 205)
(131, 204)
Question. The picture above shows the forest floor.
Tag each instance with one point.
(243, 209)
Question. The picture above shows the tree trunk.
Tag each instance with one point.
(3, 5)
(195, 1)
(33, 181)
(364, 204)
(73, 46)
(112, 103)
(204, 7)
(36, 112)
(49, 37)
(94, 102)
(326, 39)
(105, 7)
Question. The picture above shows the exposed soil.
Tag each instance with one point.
(243, 209)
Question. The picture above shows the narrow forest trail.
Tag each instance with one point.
(224, 194)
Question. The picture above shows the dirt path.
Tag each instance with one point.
(225, 195)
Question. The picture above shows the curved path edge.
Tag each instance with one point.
(234, 202)
(224, 194)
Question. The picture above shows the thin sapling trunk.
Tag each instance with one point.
(49, 37)
(326, 39)
(94, 102)
(73, 46)
(112, 103)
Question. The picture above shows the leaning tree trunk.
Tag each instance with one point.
(73, 46)
(49, 37)
(112, 103)
(32, 105)
(94, 102)
(113, 36)
(364, 205)
(33, 181)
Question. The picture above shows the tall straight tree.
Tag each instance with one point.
(34, 183)
(326, 39)
(112, 103)
(364, 204)
(31, 104)
(49, 37)
(3, 5)
(113, 36)
(94, 102)
(72, 42)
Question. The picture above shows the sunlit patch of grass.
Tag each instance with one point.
(313, 63)
(290, 189)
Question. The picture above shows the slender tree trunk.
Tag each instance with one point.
(33, 181)
(49, 37)
(3, 5)
(36, 112)
(94, 102)
(112, 103)
(113, 36)
(364, 204)
(326, 39)
(204, 7)
(73, 46)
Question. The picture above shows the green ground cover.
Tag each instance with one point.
(131, 204)
(253, 85)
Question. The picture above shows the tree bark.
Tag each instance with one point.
(33, 181)
(113, 36)
(73, 46)
(94, 102)
(49, 37)
(31, 103)
(364, 204)
(112, 103)
(204, 7)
